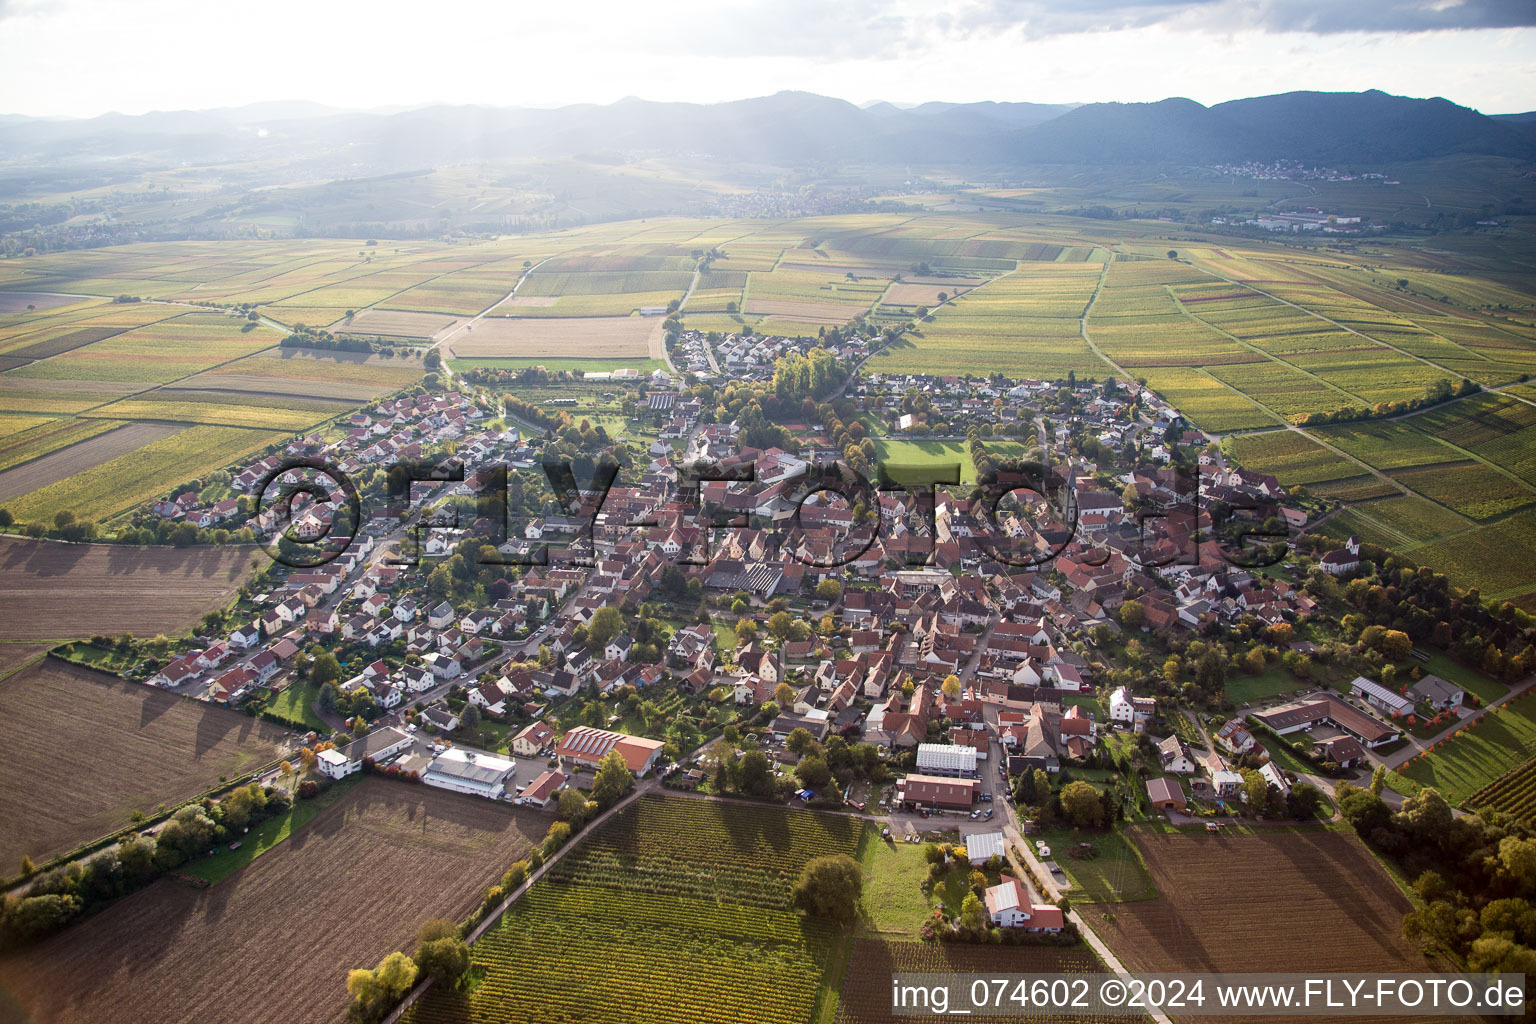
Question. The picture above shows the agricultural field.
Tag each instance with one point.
(866, 994)
(162, 748)
(36, 437)
(1387, 444)
(54, 591)
(675, 902)
(115, 440)
(924, 456)
(1291, 457)
(1495, 427)
(1207, 402)
(618, 337)
(127, 481)
(1496, 558)
(165, 953)
(157, 353)
(1514, 793)
(262, 412)
(386, 323)
(351, 376)
(1474, 757)
(1291, 885)
(1471, 488)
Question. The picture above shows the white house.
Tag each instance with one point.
(1008, 906)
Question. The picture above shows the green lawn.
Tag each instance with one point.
(293, 705)
(1471, 759)
(1272, 682)
(894, 903)
(1281, 753)
(265, 836)
(1115, 875)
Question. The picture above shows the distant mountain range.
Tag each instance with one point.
(793, 128)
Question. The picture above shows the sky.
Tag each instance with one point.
(81, 58)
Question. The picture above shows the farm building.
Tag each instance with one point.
(1166, 795)
(464, 771)
(936, 791)
(1380, 697)
(542, 790)
(588, 746)
(1326, 709)
(1009, 905)
(946, 759)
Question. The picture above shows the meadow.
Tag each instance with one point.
(1474, 756)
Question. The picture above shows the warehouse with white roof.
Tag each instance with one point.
(946, 759)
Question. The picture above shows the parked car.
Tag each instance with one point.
(976, 814)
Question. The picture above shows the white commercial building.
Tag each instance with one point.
(946, 759)
(468, 771)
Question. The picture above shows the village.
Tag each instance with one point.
(970, 648)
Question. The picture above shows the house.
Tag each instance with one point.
(1135, 712)
(936, 791)
(1226, 784)
(1175, 756)
(376, 746)
(440, 616)
(533, 738)
(1009, 906)
(542, 790)
(1439, 694)
(1234, 736)
(440, 718)
(443, 666)
(1166, 795)
(588, 746)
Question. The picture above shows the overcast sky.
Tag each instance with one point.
(86, 57)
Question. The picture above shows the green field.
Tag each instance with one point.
(1502, 739)
(1109, 869)
(931, 457)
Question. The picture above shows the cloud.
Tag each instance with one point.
(1316, 17)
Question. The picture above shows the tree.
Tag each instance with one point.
(1518, 857)
(830, 887)
(784, 696)
(605, 625)
(1132, 614)
(28, 869)
(973, 913)
(1255, 790)
(286, 771)
(374, 992)
(813, 773)
(1365, 811)
(780, 624)
(755, 776)
(951, 686)
(613, 781)
(469, 718)
(1173, 254)
(1379, 779)
(1082, 805)
(324, 669)
(6, 519)
(440, 953)
(571, 805)
(827, 590)
(799, 741)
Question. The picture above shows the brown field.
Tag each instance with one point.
(17, 302)
(51, 590)
(920, 294)
(395, 323)
(275, 941)
(13, 656)
(605, 337)
(82, 455)
(805, 312)
(1297, 901)
(124, 747)
(65, 342)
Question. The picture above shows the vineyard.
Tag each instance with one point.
(675, 903)
(587, 953)
(1514, 793)
(739, 854)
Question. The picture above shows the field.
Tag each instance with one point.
(1112, 875)
(676, 902)
(80, 456)
(55, 591)
(1474, 757)
(161, 748)
(931, 457)
(1291, 457)
(129, 480)
(866, 995)
(352, 376)
(1514, 792)
(36, 437)
(583, 338)
(390, 323)
(1246, 903)
(294, 921)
